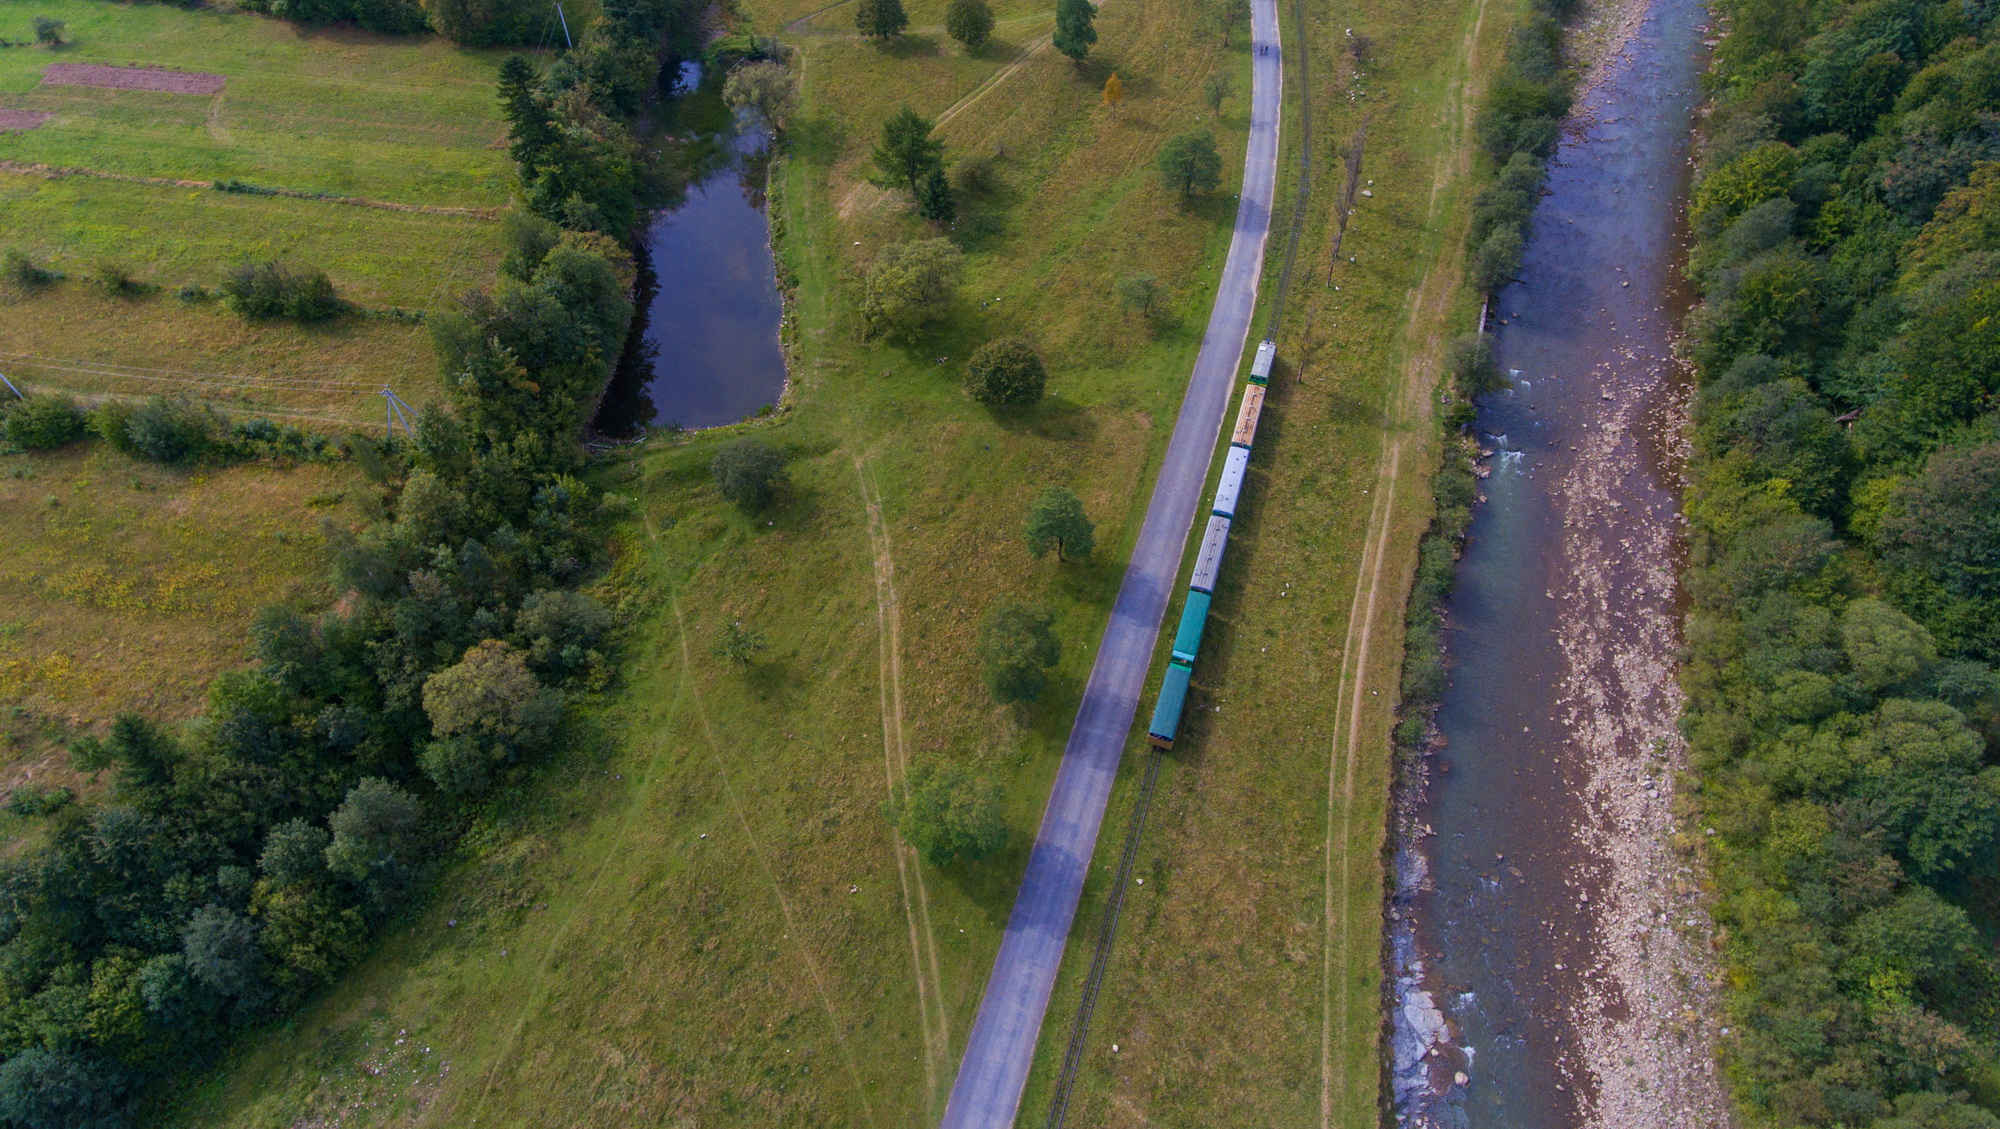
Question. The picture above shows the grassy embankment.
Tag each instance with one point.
(410, 124)
(707, 920)
(1245, 984)
(127, 586)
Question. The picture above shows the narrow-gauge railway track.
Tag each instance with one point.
(1001, 1047)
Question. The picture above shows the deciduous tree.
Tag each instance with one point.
(1006, 370)
(1076, 28)
(1057, 521)
(1190, 165)
(881, 20)
(907, 152)
(948, 814)
(970, 22)
(748, 472)
(909, 286)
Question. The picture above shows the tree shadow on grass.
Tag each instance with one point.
(816, 139)
(1056, 417)
(909, 46)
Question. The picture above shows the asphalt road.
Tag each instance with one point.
(987, 1092)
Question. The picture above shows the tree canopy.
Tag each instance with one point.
(970, 22)
(909, 286)
(907, 152)
(880, 20)
(948, 814)
(1057, 521)
(1076, 28)
(1190, 165)
(1006, 371)
(748, 472)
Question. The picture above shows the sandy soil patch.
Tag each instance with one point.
(131, 78)
(20, 120)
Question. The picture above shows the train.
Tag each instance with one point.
(1174, 684)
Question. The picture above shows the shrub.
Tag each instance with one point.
(175, 432)
(48, 31)
(24, 272)
(748, 473)
(116, 280)
(43, 423)
(279, 290)
(1006, 371)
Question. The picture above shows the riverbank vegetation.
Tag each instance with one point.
(1843, 703)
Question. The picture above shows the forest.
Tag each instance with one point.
(242, 861)
(1843, 708)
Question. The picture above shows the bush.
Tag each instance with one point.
(279, 290)
(23, 272)
(1006, 371)
(118, 281)
(43, 423)
(748, 473)
(174, 432)
(48, 31)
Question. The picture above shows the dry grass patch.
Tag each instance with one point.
(324, 377)
(125, 586)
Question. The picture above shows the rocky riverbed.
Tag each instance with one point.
(1549, 949)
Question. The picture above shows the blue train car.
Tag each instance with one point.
(1234, 469)
(1209, 563)
(1167, 712)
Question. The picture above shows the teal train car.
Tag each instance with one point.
(1194, 619)
(1167, 712)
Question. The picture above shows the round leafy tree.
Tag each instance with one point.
(747, 472)
(1006, 371)
(970, 22)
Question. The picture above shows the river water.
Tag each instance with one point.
(704, 348)
(1545, 943)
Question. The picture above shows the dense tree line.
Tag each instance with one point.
(490, 23)
(1518, 126)
(242, 861)
(1845, 574)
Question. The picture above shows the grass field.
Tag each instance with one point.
(701, 917)
(125, 586)
(405, 130)
(1245, 986)
(795, 967)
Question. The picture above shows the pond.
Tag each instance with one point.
(704, 349)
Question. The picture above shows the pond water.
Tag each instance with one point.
(704, 349)
(1505, 859)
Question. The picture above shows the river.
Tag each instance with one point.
(1547, 945)
(704, 348)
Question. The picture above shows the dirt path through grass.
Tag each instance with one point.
(1407, 408)
(896, 769)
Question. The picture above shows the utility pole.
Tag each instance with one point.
(396, 410)
(565, 25)
(18, 394)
